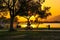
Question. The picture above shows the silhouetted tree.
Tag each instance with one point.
(29, 8)
(12, 6)
(24, 8)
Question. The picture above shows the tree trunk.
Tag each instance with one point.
(28, 25)
(11, 24)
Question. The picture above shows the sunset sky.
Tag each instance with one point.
(55, 7)
(55, 10)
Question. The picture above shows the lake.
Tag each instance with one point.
(44, 25)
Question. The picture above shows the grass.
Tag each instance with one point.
(29, 35)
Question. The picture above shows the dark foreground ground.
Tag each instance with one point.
(30, 35)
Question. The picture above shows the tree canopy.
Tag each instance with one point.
(24, 8)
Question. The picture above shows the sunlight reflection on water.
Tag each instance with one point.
(44, 25)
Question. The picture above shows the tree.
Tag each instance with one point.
(24, 8)
(29, 8)
(12, 6)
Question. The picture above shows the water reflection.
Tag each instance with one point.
(34, 25)
(43, 25)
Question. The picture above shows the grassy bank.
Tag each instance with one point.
(30, 35)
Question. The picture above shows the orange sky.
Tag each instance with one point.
(55, 7)
(55, 11)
